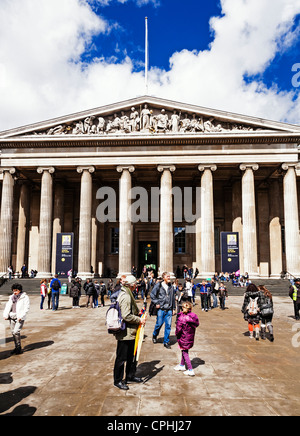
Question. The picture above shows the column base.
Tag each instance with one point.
(123, 274)
(44, 275)
(85, 275)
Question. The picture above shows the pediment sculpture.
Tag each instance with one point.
(146, 120)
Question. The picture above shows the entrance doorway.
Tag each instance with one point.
(147, 256)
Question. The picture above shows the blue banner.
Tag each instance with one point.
(230, 256)
(64, 254)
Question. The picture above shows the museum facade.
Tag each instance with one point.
(153, 182)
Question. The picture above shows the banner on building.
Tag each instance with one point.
(64, 254)
(230, 256)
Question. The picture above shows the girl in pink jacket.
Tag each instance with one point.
(186, 325)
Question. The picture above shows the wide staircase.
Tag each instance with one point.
(279, 288)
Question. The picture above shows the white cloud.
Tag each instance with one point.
(42, 75)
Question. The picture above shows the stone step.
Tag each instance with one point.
(278, 288)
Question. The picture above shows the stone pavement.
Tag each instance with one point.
(68, 359)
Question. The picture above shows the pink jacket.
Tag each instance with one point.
(186, 329)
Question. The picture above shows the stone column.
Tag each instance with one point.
(275, 231)
(85, 222)
(291, 219)
(6, 218)
(249, 220)
(58, 219)
(166, 231)
(45, 234)
(237, 222)
(22, 225)
(125, 236)
(208, 263)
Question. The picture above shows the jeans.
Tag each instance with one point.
(42, 302)
(215, 304)
(55, 300)
(163, 317)
(16, 327)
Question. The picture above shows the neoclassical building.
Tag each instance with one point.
(153, 182)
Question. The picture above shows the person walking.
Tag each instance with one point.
(223, 294)
(203, 296)
(126, 338)
(44, 292)
(55, 286)
(90, 292)
(186, 325)
(266, 312)
(75, 294)
(181, 296)
(163, 297)
(251, 310)
(294, 293)
(15, 312)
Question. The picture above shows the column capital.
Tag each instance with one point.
(90, 169)
(41, 170)
(122, 168)
(286, 166)
(212, 167)
(10, 170)
(251, 166)
(162, 168)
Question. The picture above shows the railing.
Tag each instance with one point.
(287, 275)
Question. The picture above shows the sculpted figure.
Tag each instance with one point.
(186, 124)
(162, 121)
(134, 120)
(101, 125)
(175, 122)
(146, 118)
(124, 123)
(58, 130)
(89, 126)
(197, 125)
(78, 129)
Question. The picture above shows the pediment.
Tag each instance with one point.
(149, 116)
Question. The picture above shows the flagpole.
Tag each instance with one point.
(146, 55)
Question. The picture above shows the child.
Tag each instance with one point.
(44, 291)
(187, 323)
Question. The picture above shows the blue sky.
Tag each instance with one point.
(62, 56)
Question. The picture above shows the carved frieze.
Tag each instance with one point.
(145, 120)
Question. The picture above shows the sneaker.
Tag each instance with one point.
(189, 372)
(179, 368)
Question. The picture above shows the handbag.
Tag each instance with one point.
(152, 308)
(266, 310)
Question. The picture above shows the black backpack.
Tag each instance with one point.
(55, 285)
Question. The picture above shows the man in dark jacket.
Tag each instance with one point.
(90, 292)
(295, 296)
(163, 297)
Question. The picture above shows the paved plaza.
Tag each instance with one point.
(67, 364)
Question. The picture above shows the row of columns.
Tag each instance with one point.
(205, 247)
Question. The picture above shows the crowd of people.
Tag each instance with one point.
(167, 300)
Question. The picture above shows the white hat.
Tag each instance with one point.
(130, 280)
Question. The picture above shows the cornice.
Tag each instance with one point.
(161, 140)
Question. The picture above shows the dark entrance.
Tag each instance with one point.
(147, 256)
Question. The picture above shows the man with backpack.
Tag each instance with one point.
(55, 286)
(126, 336)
